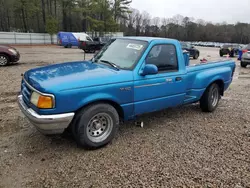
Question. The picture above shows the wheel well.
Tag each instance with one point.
(112, 103)
(2, 53)
(220, 83)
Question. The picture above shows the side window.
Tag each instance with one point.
(164, 57)
(88, 38)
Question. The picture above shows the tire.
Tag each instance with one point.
(221, 54)
(95, 126)
(196, 55)
(4, 60)
(243, 64)
(86, 51)
(210, 98)
(232, 54)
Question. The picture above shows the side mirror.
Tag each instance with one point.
(149, 69)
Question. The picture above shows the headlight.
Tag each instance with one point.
(41, 101)
(13, 51)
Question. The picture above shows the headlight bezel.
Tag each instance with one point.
(39, 100)
(33, 91)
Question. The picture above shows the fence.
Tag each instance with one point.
(40, 38)
(26, 38)
(106, 34)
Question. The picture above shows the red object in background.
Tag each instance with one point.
(203, 60)
(244, 51)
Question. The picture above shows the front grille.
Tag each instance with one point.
(26, 92)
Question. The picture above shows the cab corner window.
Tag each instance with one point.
(164, 57)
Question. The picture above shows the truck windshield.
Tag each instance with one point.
(124, 53)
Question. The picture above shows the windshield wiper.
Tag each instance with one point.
(110, 63)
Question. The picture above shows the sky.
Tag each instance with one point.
(215, 11)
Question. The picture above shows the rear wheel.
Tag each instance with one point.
(95, 126)
(221, 54)
(243, 64)
(210, 99)
(4, 60)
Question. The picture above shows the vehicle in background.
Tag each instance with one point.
(241, 51)
(193, 52)
(92, 46)
(8, 55)
(128, 77)
(229, 49)
(88, 46)
(245, 58)
(69, 39)
(101, 41)
(210, 44)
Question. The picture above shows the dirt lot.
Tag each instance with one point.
(176, 148)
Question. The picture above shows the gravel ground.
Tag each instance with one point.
(180, 147)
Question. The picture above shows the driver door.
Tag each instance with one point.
(163, 90)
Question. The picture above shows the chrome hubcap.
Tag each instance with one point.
(214, 96)
(3, 60)
(99, 127)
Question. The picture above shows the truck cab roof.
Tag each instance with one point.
(149, 39)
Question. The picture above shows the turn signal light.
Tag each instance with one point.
(44, 102)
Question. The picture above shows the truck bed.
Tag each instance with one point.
(198, 76)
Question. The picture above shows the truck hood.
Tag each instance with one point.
(74, 75)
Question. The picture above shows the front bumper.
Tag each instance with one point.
(46, 124)
(245, 60)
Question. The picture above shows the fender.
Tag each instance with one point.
(126, 111)
(98, 97)
(205, 78)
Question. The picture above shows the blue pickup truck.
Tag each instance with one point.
(130, 76)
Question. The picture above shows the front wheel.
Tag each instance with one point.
(210, 99)
(4, 60)
(243, 64)
(95, 126)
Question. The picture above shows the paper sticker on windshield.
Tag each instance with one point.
(135, 46)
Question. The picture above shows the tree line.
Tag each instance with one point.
(185, 28)
(109, 16)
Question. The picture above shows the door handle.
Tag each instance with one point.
(178, 78)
